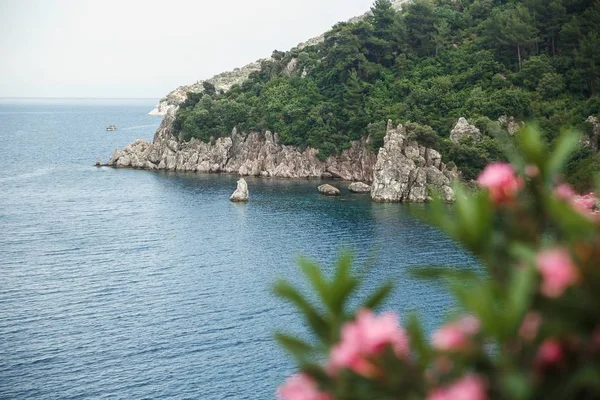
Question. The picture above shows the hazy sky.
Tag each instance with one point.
(129, 48)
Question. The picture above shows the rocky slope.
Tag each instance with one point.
(402, 170)
(224, 81)
(405, 171)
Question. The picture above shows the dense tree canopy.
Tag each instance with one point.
(430, 64)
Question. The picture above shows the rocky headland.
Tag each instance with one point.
(400, 171)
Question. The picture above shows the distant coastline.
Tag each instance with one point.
(78, 100)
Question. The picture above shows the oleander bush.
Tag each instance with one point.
(528, 323)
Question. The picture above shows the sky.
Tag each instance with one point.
(145, 49)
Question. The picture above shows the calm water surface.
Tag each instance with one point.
(135, 284)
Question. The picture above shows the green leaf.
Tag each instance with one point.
(572, 222)
(313, 273)
(379, 296)
(298, 348)
(318, 324)
(516, 386)
(418, 341)
(478, 299)
(531, 144)
(343, 266)
(521, 290)
(586, 377)
(437, 273)
(565, 145)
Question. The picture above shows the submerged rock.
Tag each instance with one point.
(463, 129)
(241, 193)
(359, 187)
(328, 190)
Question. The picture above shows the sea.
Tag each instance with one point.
(131, 284)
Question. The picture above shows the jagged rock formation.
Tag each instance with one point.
(224, 81)
(405, 171)
(241, 193)
(462, 130)
(359, 187)
(255, 154)
(328, 190)
(510, 124)
(402, 171)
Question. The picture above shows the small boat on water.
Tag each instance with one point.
(111, 128)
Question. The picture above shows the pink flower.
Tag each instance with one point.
(301, 387)
(558, 271)
(470, 387)
(364, 338)
(530, 326)
(550, 352)
(455, 336)
(585, 204)
(564, 192)
(501, 181)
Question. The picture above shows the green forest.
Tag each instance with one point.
(428, 64)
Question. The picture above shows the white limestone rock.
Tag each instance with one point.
(241, 193)
(328, 190)
(401, 176)
(511, 124)
(359, 187)
(463, 130)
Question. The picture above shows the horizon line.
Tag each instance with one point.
(79, 98)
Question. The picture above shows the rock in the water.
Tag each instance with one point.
(359, 187)
(463, 129)
(405, 170)
(241, 193)
(328, 190)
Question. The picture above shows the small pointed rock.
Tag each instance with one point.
(241, 193)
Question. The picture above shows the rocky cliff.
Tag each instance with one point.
(405, 171)
(402, 170)
(255, 154)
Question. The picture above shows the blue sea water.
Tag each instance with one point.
(135, 284)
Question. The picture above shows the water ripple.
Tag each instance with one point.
(130, 284)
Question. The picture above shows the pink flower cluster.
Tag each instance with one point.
(501, 181)
(585, 204)
(558, 271)
(301, 387)
(470, 387)
(364, 338)
(456, 336)
(530, 326)
(361, 340)
(550, 352)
